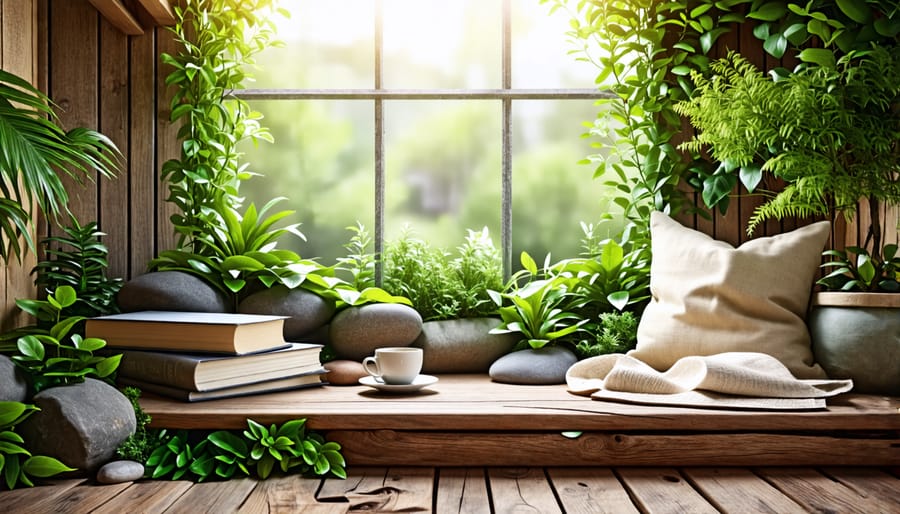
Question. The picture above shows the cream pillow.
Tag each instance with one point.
(709, 297)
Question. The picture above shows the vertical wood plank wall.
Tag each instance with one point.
(105, 80)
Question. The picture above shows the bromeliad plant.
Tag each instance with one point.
(17, 464)
(256, 451)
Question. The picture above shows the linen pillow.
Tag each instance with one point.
(709, 297)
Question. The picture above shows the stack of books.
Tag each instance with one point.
(195, 356)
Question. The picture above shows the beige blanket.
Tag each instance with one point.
(727, 380)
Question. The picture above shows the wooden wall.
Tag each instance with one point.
(103, 79)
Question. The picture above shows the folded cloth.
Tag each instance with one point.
(728, 380)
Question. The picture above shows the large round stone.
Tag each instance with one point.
(171, 291)
(79, 424)
(547, 365)
(13, 387)
(462, 345)
(357, 331)
(308, 311)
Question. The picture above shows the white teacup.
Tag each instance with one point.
(394, 365)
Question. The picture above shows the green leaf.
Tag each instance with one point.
(10, 412)
(42, 466)
(31, 347)
(65, 296)
(108, 366)
(751, 176)
(821, 56)
(771, 11)
(856, 10)
(775, 45)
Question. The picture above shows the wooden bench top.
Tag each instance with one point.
(468, 420)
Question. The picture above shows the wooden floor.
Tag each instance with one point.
(471, 445)
(491, 490)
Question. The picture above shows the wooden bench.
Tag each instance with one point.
(468, 420)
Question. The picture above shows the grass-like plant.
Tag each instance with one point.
(854, 269)
(36, 153)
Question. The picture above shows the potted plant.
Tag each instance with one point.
(829, 130)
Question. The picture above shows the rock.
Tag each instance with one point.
(171, 291)
(308, 311)
(357, 331)
(79, 424)
(119, 471)
(13, 387)
(462, 345)
(344, 372)
(547, 365)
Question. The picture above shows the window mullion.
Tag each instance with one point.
(506, 172)
(379, 144)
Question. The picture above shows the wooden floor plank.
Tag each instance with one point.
(288, 495)
(213, 497)
(820, 493)
(663, 491)
(152, 495)
(397, 489)
(521, 490)
(738, 490)
(868, 482)
(34, 499)
(84, 499)
(461, 490)
(590, 491)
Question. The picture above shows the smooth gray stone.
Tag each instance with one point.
(861, 343)
(462, 345)
(119, 471)
(79, 424)
(356, 332)
(171, 291)
(547, 365)
(308, 311)
(13, 387)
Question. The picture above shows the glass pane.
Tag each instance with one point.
(540, 49)
(441, 44)
(324, 47)
(322, 161)
(552, 193)
(442, 169)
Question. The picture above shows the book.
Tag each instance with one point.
(189, 331)
(206, 372)
(309, 379)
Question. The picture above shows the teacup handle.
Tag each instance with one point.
(372, 361)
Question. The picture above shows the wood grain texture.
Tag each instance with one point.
(113, 123)
(431, 448)
(119, 16)
(18, 36)
(868, 482)
(521, 490)
(661, 490)
(287, 495)
(378, 489)
(142, 176)
(461, 490)
(167, 144)
(34, 499)
(739, 490)
(821, 493)
(152, 496)
(160, 10)
(594, 490)
(474, 402)
(213, 497)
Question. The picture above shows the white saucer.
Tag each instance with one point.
(419, 382)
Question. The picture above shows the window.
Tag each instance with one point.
(441, 116)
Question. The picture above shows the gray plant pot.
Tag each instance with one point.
(462, 345)
(857, 336)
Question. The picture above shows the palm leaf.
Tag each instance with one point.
(34, 152)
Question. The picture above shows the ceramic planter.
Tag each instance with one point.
(857, 336)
